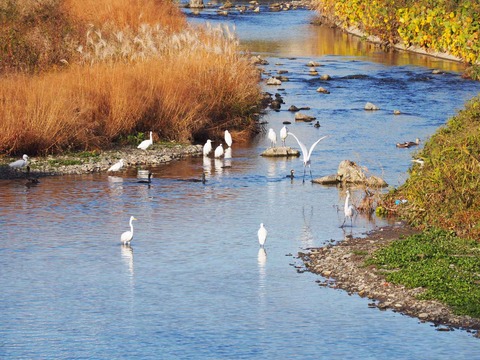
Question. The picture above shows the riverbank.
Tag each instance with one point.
(99, 161)
(342, 266)
(446, 31)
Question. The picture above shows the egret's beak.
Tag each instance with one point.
(134, 219)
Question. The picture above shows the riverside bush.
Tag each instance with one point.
(442, 26)
(445, 191)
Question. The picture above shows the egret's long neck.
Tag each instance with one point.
(346, 201)
(151, 139)
(131, 225)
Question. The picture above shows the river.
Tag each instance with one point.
(194, 284)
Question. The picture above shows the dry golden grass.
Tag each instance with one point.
(132, 73)
(179, 96)
(128, 13)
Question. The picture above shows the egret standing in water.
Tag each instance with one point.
(228, 138)
(117, 166)
(283, 134)
(19, 163)
(348, 210)
(307, 154)
(272, 136)
(219, 151)
(146, 143)
(127, 236)
(262, 235)
(207, 148)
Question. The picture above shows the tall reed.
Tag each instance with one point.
(137, 76)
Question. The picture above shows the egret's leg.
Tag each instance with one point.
(304, 171)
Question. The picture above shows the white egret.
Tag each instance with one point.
(207, 148)
(117, 166)
(283, 134)
(306, 154)
(228, 138)
(348, 210)
(19, 163)
(146, 143)
(127, 236)
(419, 161)
(272, 136)
(219, 151)
(262, 235)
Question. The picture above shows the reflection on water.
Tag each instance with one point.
(127, 256)
(306, 234)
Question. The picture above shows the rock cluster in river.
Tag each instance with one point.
(342, 266)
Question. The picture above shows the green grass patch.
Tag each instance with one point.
(447, 266)
(64, 162)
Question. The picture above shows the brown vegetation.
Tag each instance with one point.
(125, 76)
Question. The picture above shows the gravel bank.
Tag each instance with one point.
(341, 267)
(91, 162)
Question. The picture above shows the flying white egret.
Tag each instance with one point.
(146, 143)
(272, 136)
(127, 236)
(348, 210)
(283, 134)
(262, 235)
(219, 151)
(117, 166)
(19, 163)
(207, 148)
(228, 138)
(306, 154)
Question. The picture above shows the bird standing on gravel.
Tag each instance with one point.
(117, 166)
(19, 163)
(145, 144)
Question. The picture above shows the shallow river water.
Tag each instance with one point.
(194, 284)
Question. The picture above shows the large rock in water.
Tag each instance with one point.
(349, 172)
(280, 151)
(196, 4)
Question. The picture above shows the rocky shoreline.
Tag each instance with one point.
(100, 161)
(342, 267)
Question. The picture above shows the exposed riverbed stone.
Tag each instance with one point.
(304, 117)
(282, 151)
(370, 106)
(342, 267)
(349, 172)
